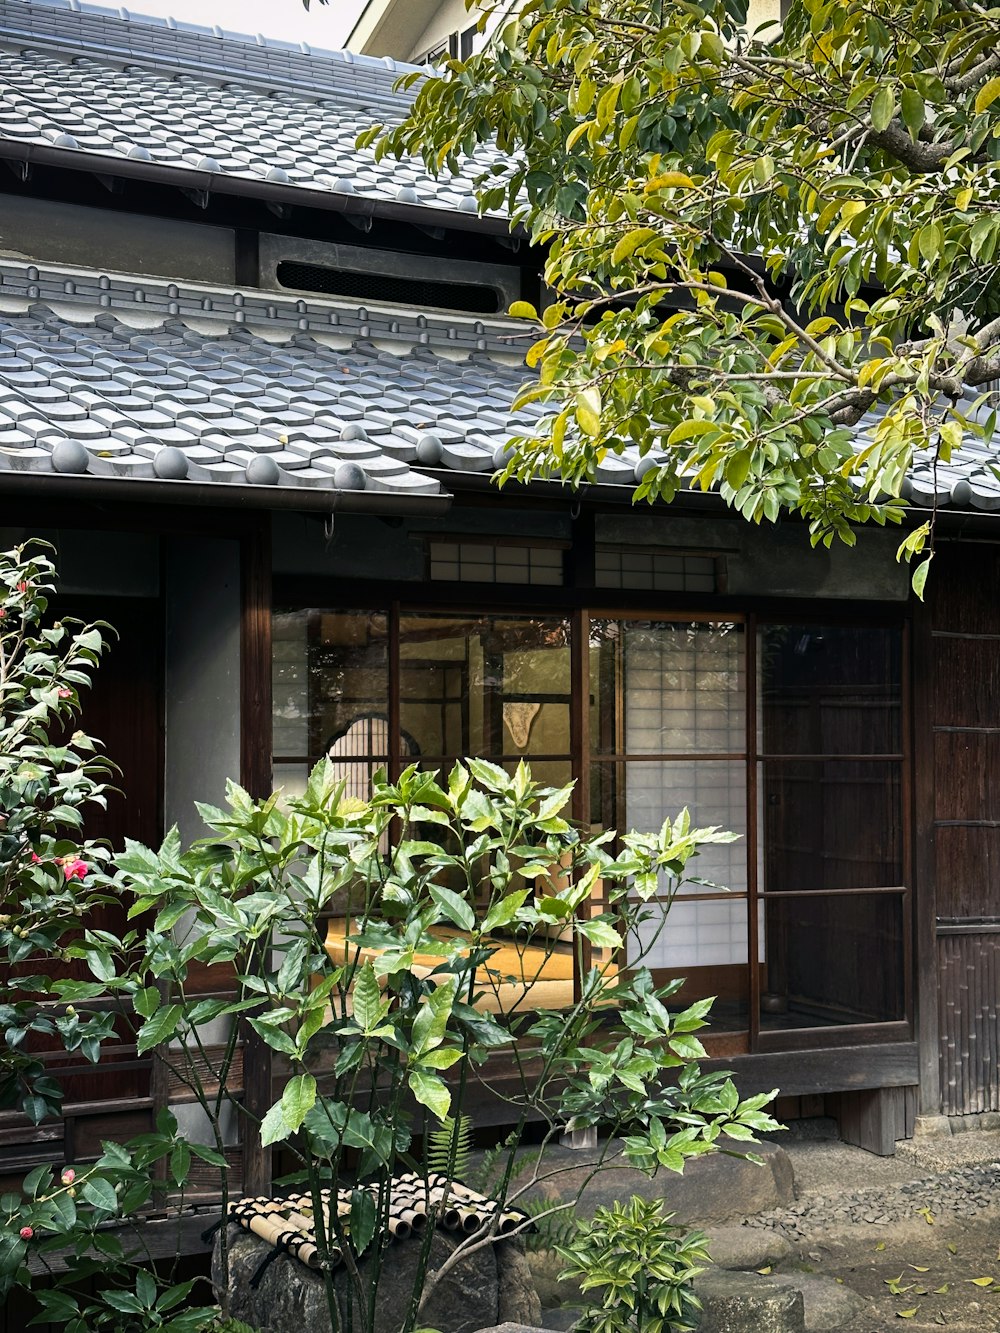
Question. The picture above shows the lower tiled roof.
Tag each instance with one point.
(135, 378)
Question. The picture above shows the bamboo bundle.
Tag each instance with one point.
(289, 1224)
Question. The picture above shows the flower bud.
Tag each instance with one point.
(26, 1233)
(68, 1176)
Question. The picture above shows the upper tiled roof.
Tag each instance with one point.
(230, 109)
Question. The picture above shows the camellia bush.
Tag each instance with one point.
(385, 1039)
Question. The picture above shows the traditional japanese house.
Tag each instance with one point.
(254, 385)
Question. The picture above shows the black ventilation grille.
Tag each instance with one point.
(383, 287)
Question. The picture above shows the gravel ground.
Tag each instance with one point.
(962, 1193)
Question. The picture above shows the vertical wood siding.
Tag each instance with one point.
(968, 977)
(963, 712)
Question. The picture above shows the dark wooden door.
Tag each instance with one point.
(124, 710)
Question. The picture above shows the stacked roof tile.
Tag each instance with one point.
(226, 108)
(106, 374)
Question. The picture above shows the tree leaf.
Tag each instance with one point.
(369, 1007)
(100, 1193)
(913, 111)
(430, 1090)
(297, 1100)
(588, 410)
(456, 909)
(160, 1027)
(987, 95)
(883, 108)
(363, 1219)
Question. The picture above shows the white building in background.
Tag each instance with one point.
(426, 31)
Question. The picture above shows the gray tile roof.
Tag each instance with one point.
(152, 381)
(143, 379)
(226, 107)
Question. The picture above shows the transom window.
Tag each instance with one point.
(790, 734)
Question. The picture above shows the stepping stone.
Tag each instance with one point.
(828, 1304)
(746, 1303)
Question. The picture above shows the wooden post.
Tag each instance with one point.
(255, 776)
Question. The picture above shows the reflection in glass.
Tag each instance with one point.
(830, 690)
(331, 670)
(819, 960)
(491, 686)
(831, 824)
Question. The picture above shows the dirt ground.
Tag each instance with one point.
(930, 1271)
(914, 1274)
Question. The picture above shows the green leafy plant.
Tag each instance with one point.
(49, 879)
(639, 1267)
(387, 1030)
(753, 239)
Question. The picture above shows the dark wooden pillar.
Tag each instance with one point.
(255, 776)
(925, 971)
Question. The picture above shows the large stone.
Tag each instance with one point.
(511, 1328)
(546, 1273)
(746, 1303)
(828, 1305)
(490, 1285)
(715, 1188)
(746, 1249)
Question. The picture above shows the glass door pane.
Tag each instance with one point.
(497, 687)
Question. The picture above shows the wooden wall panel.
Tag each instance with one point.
(960, 596)
(967, 871)
(957, 715)
(969, 974)
(968, 682)
(969, 765)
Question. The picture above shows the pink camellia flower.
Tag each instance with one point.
(36, 859)
(22, 587)
(64, 693)
(75, 869)
(26, 1233)
(68, 1176)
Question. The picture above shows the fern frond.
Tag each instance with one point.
(449, 1147)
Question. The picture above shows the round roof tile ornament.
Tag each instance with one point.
(353, 431)
(644, 465)
(906, 489)
(430, 450)
(406, 194)
(502, 455)
(468, 204)
(350, 477)
(208, 164)
(170, 464)
(263, 471)
(70, 456)
(279, 175)
(139, 153)
(961, 492)
(64, 141)
(343, 186)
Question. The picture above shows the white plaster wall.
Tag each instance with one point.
(202, 675)
(452, 16)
